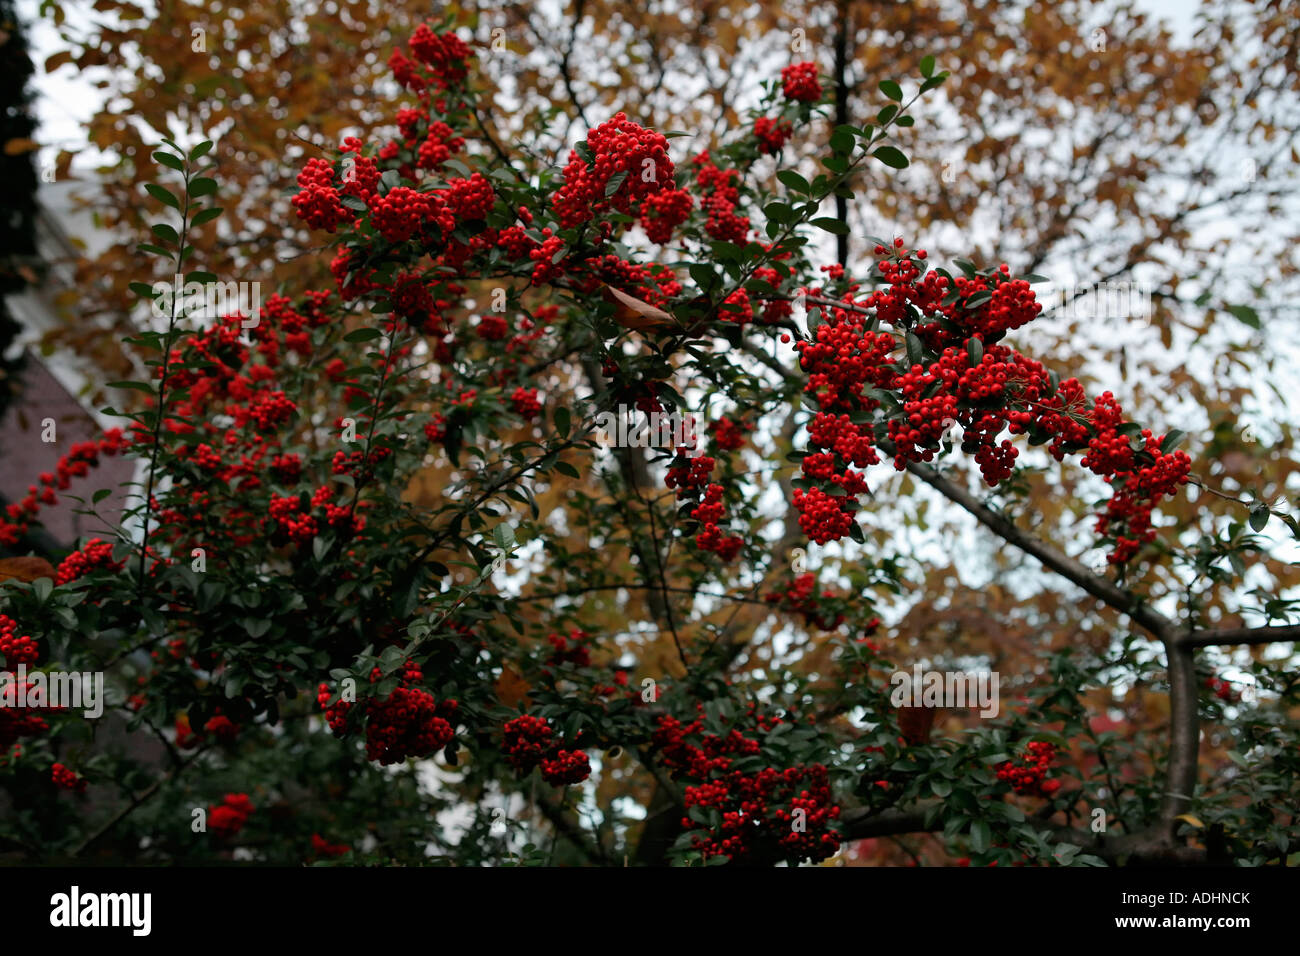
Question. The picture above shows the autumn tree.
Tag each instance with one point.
(643, 599)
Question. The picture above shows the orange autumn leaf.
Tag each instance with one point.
(511, 688)
(26, 570)
(632, 313)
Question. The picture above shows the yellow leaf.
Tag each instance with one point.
(1191, 819)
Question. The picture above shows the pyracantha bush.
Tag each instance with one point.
(337, 488)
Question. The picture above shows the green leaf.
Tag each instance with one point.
(362, 335)
(203, 186)
(100, 495)
(564, 468)
(975, 349)
(200, 150)
(141, 289)
(164, 196)
(892, 90)
(915, 349)
(891, 157)
(793, 180)
(927, 66)
(562, 421)
(168, 160)
(1172, 440)
(615, 181)
(504, 536)
(137, 386)
(1259, 516)
(834, 226)
(166, 232)
(1246, 314)
(207, 215)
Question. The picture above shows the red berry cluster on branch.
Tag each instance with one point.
(228, 817)
(799, 82)
(66, 779)
(773, 133)
(529, 742)
(798, 598)
(1026, 776)
(764, 817)
(407, 723)
(96, 553)
(16, 649)
(983, 388)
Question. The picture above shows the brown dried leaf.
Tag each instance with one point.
(26, 569)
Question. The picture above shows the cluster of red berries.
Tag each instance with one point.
(66, 779)
(228, 817)
(773, 133)
(763, 817)
(524, 403)
(799, 82)
(618, 147)
(443, 53)
(663, 212)
(1026, 777)
(407, 723)
(16, 649)
(96, 553)
(320, 847)
(1222, 690)
(721, 195)
(220, 726)
(569, 650)
(984, 388)
(529, 742)
(728, 435)
(81, 457)
(798, 598)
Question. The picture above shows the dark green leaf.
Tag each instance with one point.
(168, 160)
(834, 226)
(892, 90)
(891, 157)
(164, 196)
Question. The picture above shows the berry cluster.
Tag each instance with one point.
(618, 147)
(81, 457)
(773, 133)
(1026, 777)
(66, 779)
(972, 389)
(799, 82)
(14, 649)
(663, 212)
(96, 553)
(721, 195)
(524, 403)
(409, 722)
(528, 742)
(798, 598)
(761, 817)
(228, 817)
